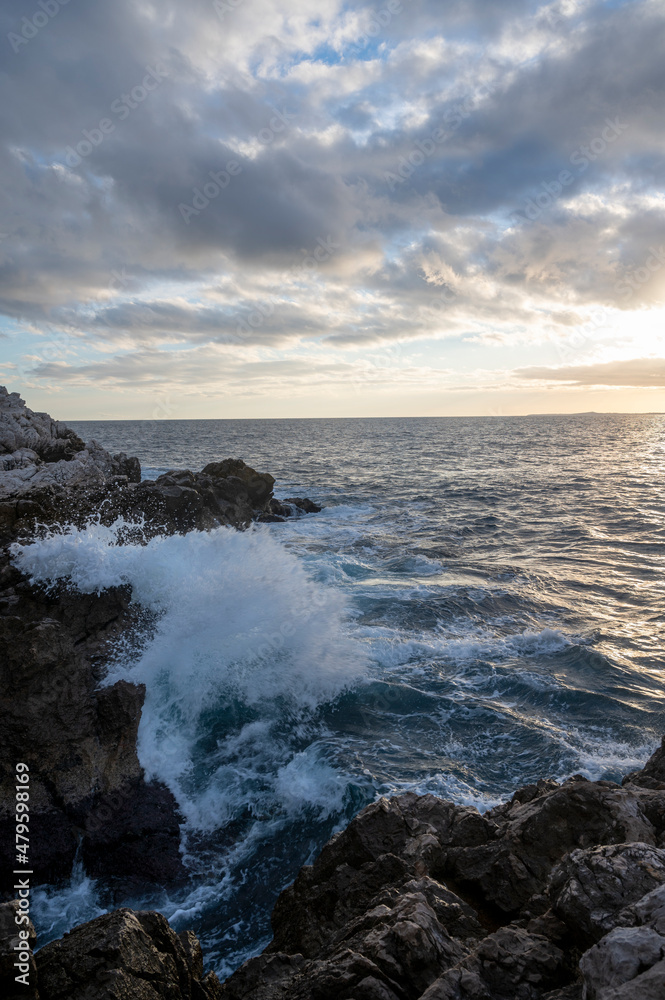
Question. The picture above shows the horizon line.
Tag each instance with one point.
(442, 416)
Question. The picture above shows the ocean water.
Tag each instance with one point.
(480, 604)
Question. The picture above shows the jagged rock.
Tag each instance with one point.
(419, 897)
(621, 957)
(17, 941)
(23, 430)
(531, 836)
(573, 991)
(122, 955)
(590, 888)
(234, 479)
(386, 842)
(511, 963)
(648, 911)
(629, 962)
(37, 451)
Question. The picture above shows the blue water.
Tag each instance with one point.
(479, 605)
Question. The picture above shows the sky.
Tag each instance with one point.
(253, 208)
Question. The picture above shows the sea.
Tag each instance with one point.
(478, 605)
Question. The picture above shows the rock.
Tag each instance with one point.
(650, 985)
(121, 955)
(590, 888)
(17, 941)
(652, 774)
(234, 479)
(419, 897)
(572, 992)
(510, 963)
(532, 836)
(22, 430)
(37, 451)
(649, 911)
(79, 741)
(620, 957)
(304, 504)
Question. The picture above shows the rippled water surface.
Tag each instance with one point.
(480, 604)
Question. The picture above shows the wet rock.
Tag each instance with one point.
(234, 479)
(78, 740)
(652, 774)
(132, 839)
(590, 888)
(17, 940)
(304, 504)
(121, 955)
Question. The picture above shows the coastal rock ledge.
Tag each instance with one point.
(558, 894)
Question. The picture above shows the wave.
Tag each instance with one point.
(245, 650)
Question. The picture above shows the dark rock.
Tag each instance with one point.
(79, 741)
(241, 480)
(122, 955)
(132, 838)
(629, 962)
(652, 774)
(304, 504)
(573, 991)
(130, 467)
(532, 836)
(590, 888)
(421, 898)
(510, 964)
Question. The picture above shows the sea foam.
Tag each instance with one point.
(244, 651)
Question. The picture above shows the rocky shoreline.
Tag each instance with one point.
(558, 893)
(88, 794)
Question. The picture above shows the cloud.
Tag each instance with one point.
(638, 372)
(415, 142)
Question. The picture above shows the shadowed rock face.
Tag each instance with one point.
(380, 914)
(421, 899)
(125, 955)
